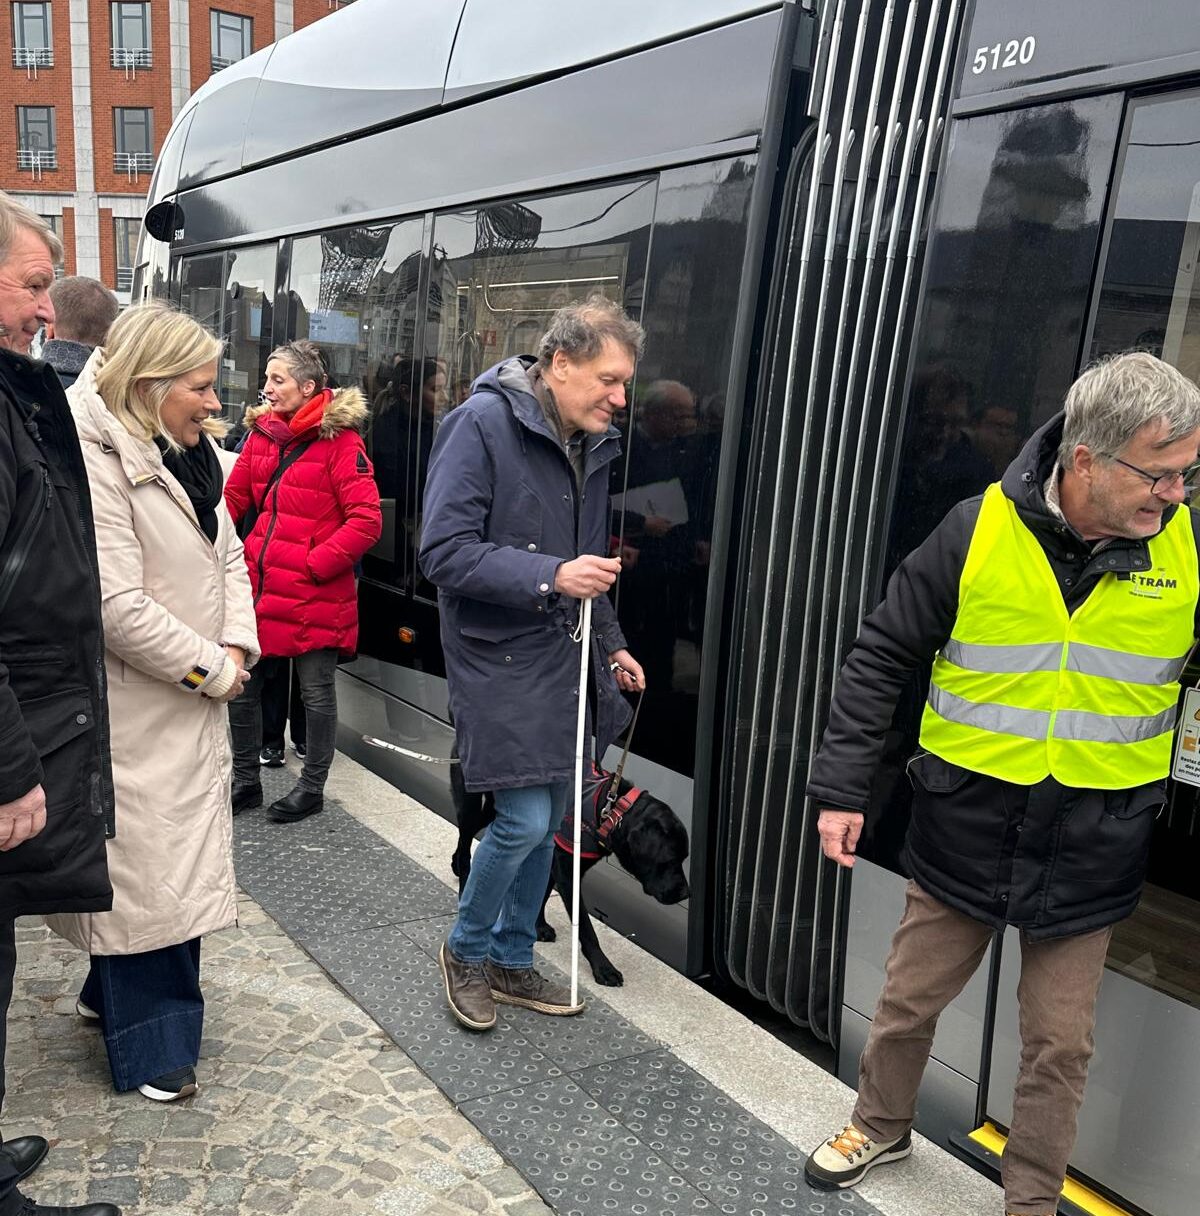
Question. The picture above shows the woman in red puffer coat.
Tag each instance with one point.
(304, 498)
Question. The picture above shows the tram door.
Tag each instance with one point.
(1145, 1077)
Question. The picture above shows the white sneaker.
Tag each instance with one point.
(86, 1012)
(844, 1160)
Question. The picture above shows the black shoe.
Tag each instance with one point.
(30, 1207)
(181, 1083)
(271, 757)
(299, 804)
(26, 1153)
(301, 749)
(246, 797)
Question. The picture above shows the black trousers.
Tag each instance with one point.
(280, 701)
(10, 1202)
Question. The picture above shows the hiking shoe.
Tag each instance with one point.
(467, 990)
(525, 987)
(843, 1160)
(86, 1012)
(181, 1083)
(271, 757)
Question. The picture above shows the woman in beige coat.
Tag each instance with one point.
(179, 636)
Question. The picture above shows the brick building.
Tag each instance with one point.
(88, 91)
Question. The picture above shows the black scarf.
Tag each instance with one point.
(198, 471)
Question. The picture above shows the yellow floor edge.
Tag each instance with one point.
(991, 1138)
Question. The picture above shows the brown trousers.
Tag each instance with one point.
(934, 953)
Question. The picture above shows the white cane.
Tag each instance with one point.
(585, 647)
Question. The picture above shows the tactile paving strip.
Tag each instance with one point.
(599, 1117)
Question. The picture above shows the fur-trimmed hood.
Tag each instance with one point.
(346, 411)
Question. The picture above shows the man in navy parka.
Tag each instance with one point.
(515, 536)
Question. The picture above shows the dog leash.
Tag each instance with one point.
(615, 784)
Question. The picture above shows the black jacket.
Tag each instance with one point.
(53, 714)
(1050, 859)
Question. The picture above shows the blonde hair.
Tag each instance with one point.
(147, 349)
(15, 216)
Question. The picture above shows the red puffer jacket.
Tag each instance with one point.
(318, 519)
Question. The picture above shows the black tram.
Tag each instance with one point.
(872, 242)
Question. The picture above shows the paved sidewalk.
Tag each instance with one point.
(305, 1107)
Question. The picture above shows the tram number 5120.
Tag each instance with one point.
(1004, 55)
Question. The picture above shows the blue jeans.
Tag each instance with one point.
(498, 909)
(151, 1010)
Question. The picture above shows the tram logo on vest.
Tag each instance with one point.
(1150, 586)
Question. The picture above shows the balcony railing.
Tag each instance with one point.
(133, 163)
(33, 57)
(219, 64)
(37, 160)
(124, 278)
(132, 57)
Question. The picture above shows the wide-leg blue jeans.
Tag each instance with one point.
(498, 909)
(151, 1010)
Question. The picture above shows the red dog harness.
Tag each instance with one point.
(601, 814)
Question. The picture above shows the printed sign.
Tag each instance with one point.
(1187, 740)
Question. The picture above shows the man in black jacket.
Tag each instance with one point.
(83, 310)
(1058, 610)
(55, 782)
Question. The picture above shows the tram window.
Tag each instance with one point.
(498, 273)
(355, 291)
(1149, 298)
(231, 292)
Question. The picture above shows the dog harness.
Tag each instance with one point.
(601, 814)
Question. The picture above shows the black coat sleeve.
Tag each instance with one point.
(902, 635)
(20, 767)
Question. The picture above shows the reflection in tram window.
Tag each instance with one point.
(354, 292)
(499, 272)
(1150, 299)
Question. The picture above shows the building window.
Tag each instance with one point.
(131, 35)
(125, 232)
(133, 131)
(37, 143)
(232, 38)
(56, 226)
(32, 47)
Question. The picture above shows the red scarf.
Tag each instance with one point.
(310, 413)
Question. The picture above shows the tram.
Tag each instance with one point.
(871, 242)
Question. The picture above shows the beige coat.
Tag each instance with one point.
(170, 599)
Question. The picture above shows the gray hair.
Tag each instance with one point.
(580, 330)
(1113, 399)
(14, 216)
(304, 362)
(83, 309)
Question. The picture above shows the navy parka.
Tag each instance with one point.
(502, 512)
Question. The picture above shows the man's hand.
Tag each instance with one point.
(629, 673)
(586, 577)
(22, 820)
(839, 832)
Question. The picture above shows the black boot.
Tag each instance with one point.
(31, 1207)
(299, 804)
(26, 1153)
(246, 796)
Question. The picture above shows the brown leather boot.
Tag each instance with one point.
(525, 987)
(467, 990)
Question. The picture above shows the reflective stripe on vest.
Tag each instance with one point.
(1023, 689)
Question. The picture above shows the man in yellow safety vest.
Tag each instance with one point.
(1058, 610)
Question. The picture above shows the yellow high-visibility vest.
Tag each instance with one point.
(1023, 689)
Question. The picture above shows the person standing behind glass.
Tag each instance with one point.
(304, 496)
(179, 637)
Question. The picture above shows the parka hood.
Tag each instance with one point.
(346, 411)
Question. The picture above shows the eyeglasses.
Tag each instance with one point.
(1161, 483)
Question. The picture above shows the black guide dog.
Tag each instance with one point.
(639, 830)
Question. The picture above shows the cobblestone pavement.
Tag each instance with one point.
(305, 1107)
